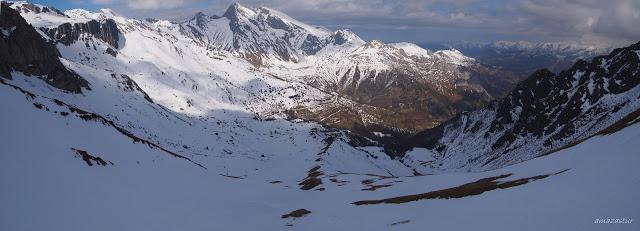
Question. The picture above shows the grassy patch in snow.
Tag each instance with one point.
(470, 189)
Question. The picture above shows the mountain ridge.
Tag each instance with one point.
(545, 112)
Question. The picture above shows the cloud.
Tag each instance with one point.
(101, 2)
(132, 6)
(613, 21)
(154, 4)
(620, 21)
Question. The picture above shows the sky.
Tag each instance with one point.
(598, 22)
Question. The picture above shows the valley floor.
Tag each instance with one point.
(46, 185)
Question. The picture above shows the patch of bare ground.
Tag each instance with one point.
(335, 180)
(275, 182)
(374, 187)
(370, 184)
(312, 180)
(230, 176)
(90, 159)
(400, 222)
(470, 189)
(296, 213)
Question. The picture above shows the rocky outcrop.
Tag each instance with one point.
(23, 49)
(68, 33)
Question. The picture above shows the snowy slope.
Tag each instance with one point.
(45, 186)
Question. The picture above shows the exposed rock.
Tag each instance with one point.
(24, 50)
(296, 213)
(111, 52)
(68, 33)
(90, 159)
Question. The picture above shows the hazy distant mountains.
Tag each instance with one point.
(526, 57)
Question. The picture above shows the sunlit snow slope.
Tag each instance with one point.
(45, 185)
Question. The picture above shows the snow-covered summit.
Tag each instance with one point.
(454, 56)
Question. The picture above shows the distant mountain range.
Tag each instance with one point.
(526, 57)
(544, 113)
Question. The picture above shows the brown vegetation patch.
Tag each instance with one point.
(296, 213)
(465, 190)
(312, 180)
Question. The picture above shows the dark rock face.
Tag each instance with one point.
(67, 33)
(340, 37)
(111, 52)
(201, 20)
(312, 45)
(543, 113)
(23, 49)
(28, 7)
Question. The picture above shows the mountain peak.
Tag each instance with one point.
(236, 10)
(108, 11)
(199, 15)
(200, 19)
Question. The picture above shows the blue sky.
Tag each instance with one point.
(611, 22)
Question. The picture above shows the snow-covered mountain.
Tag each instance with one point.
(372, 74)
(371, 85)
(544, 113)
(115, 123)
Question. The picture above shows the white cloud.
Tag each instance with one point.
(154, 4)
(612, 21)
(101, 2)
